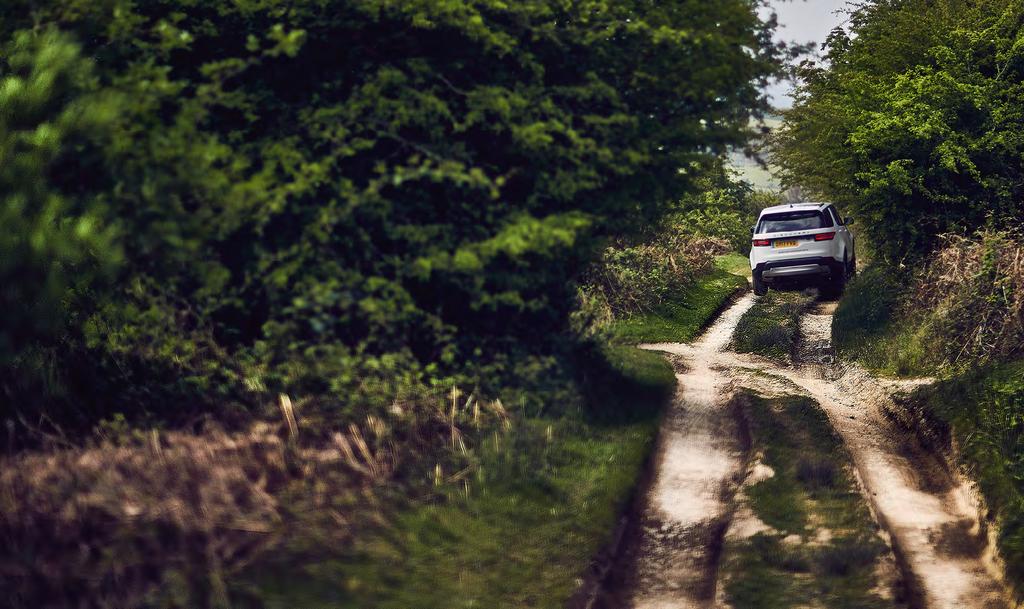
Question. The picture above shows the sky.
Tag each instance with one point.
(803, 21)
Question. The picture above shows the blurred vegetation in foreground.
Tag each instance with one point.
(279, 277)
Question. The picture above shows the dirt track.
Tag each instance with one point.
(927, 513)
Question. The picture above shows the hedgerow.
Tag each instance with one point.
(913, 121)
(336, 198)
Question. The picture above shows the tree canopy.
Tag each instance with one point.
(229, 198)
(913, 119)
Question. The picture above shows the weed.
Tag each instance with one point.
(963, 308)
(636, 278)
(519, 539)
(867, 308)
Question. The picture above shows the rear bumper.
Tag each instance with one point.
(798, 267)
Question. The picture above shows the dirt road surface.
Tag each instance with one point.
(929, 515)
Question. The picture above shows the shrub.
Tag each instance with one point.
(320, 197)
(871, 301)
(55, 237)
(637, 278)
(973, 291)
(964, 306)
(103, 525)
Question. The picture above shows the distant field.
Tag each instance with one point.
(750, 171)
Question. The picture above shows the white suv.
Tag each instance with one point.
(802, 240)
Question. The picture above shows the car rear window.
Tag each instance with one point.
(793, 220)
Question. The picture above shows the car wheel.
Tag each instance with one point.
(837, 281)
(760, 287)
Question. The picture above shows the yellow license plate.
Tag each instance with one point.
(781, 244)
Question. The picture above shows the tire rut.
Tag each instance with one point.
(930, 516)
(672, 562)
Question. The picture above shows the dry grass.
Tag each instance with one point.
(103, 526)
(973, 291)
(633, 279)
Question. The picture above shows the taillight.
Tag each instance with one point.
(762, 242)
(824, 236)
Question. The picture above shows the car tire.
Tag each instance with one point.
(837, 280)
(760, 287)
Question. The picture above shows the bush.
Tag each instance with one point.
(325, 198)
(181, 512)
(636, 279)
(963, 307)
(54, 236)
(973, 289)
(911, 122)
(724, 207)
(870, 303)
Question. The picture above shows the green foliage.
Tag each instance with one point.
(633, 279)
(772, 326)
(643, 276)
(960, 309)
(914, 124)
(984, 410)
(868, 307)
(54, 117)
(328, 197)
(724, 207)
(876, 325)
(683, 315)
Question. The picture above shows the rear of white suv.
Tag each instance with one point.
(802, 240)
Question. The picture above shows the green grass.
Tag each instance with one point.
(517, 541)
(734, 263)
(548, 496)
(983, 410)
(812, 489)
(625, 383)
(682, 317)
(772, 326)
(866, 327)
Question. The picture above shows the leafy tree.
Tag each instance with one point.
(914, 122)
(54, 232)
(338, 197)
